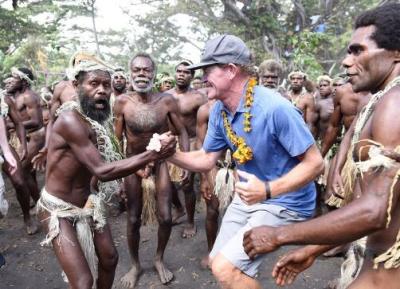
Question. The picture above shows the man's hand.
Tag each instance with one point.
(39, 161)
(23, 154)
(205, 189)
(10, 159)
(168, 145)
(252, 190)
(260, 240)
(291, 264)
(336, 187)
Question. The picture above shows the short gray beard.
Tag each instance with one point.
(143, 90)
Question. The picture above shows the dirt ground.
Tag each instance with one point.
(30, 266)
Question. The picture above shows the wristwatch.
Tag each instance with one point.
(267, 191)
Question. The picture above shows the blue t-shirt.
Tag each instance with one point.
(279, 134)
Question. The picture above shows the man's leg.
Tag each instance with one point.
(22, 191)
(108, 257)
(71, 257)
(190, 203)
(133, 188)
(211, 225)
(178, 211)
(164, 195)
(35, 143)
(227, 273)
(230, 277)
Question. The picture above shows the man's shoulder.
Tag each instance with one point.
(269, 99)
(69, 120)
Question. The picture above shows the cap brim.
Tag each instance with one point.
(201, 65)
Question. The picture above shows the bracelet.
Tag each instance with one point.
(267, 191)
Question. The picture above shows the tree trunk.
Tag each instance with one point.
(94, 28)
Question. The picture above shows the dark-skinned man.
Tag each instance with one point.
(300, 98)
(79, 149)
(189, 101)
(372, 64)
(139, 115)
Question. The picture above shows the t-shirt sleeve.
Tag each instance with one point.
(291, 130)
(214, 140)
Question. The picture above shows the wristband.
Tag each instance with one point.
(267, 191)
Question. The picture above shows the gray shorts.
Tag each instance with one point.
(238, 219)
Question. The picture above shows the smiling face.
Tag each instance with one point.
(217, 81)
(94, 94)
(142, 74)
(367, 66)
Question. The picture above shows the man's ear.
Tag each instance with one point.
(397, 56)
(233, 69)
(75, 83)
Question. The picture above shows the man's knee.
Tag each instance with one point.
(84, 281)
(223, 270)
(165, 220)
(212, 213)
(134, 219)
(109, 259)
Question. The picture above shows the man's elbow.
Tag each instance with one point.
(375, 216)
(101, 174)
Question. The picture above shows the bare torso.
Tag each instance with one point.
(141, 120)
(188, 103)
(350, 103)
(381, 181)
(66, 177)
(324, 109)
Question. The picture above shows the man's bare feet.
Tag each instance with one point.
(31, 227)
(165, 275)
(205, 262)
(176, 215)
(129, 279)
(189, 231)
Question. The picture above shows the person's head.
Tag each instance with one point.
(226, 61)
(197, 82)
(93, 85)
(166, 83)
(119, 80)
(143, 72)
(338, 81)
(373, 55)
(183, 76)
(20, 79)
(269, 73)
(324, 85)
(297, 79)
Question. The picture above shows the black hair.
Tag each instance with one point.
(386, 19)
(28, 72)
(145, 55)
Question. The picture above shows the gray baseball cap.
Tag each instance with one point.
(223, 49)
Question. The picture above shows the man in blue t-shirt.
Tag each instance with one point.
(274, 151)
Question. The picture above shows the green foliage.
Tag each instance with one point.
(307, 46)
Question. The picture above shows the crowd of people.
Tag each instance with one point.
(315, 163)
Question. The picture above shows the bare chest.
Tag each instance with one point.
(146, 118)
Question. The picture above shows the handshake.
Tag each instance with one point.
(164, 145)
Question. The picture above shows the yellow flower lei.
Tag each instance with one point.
(243, 152)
